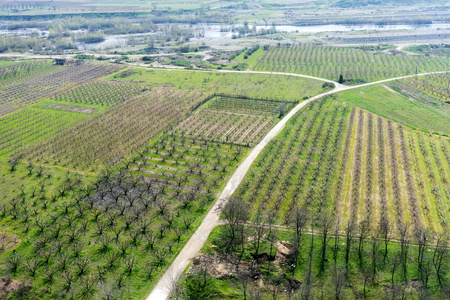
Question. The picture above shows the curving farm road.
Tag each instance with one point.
(165, 285)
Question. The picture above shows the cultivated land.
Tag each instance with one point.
(331, 62)
(114, 171)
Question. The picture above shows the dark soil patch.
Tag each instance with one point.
(127, 73)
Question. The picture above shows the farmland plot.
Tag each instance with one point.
(101, 92)
(356, 165)
(241, 121)
(435, 85)
(110, 136)
(47, 82)
(353, 64)
(32, 124)
(119, 233)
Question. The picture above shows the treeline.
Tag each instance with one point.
(107, 25)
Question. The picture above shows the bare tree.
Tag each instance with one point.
(297, 221)
(349, 232)
(439, 256)
(258, 231)
(338, 280)
(236, 213)
(385, 231)
(13, 161)
(326, 222)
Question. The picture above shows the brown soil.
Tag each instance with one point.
(77, 109)
(8, 285)
(8, 242)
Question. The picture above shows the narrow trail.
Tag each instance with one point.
(166, 283)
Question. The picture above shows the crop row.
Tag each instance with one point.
(436, 85)
(18, 95)
(108, 137)
(101, 92)
(29, 125)
(225, 126)
(361, 168)
(331, 62)
(19, 68)
(251, 106)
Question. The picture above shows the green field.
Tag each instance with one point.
(409, 109)
(33, 124)
(330, 62)
(247, 85)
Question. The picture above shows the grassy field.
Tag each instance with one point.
(247, 85)
(407, 108)
(330, 62)
(342, 159)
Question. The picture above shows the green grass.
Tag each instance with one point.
(34, 124)
(265, 86)
(400, 108)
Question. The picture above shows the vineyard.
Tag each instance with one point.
(101, 92)
(250, 106)
(24, 90)
(353, 64)
(355, 165)
(114, 134)
(435, 85)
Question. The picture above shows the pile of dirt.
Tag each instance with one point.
(223, 267)
(284, 250)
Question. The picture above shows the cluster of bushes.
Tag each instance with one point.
(251, 51)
